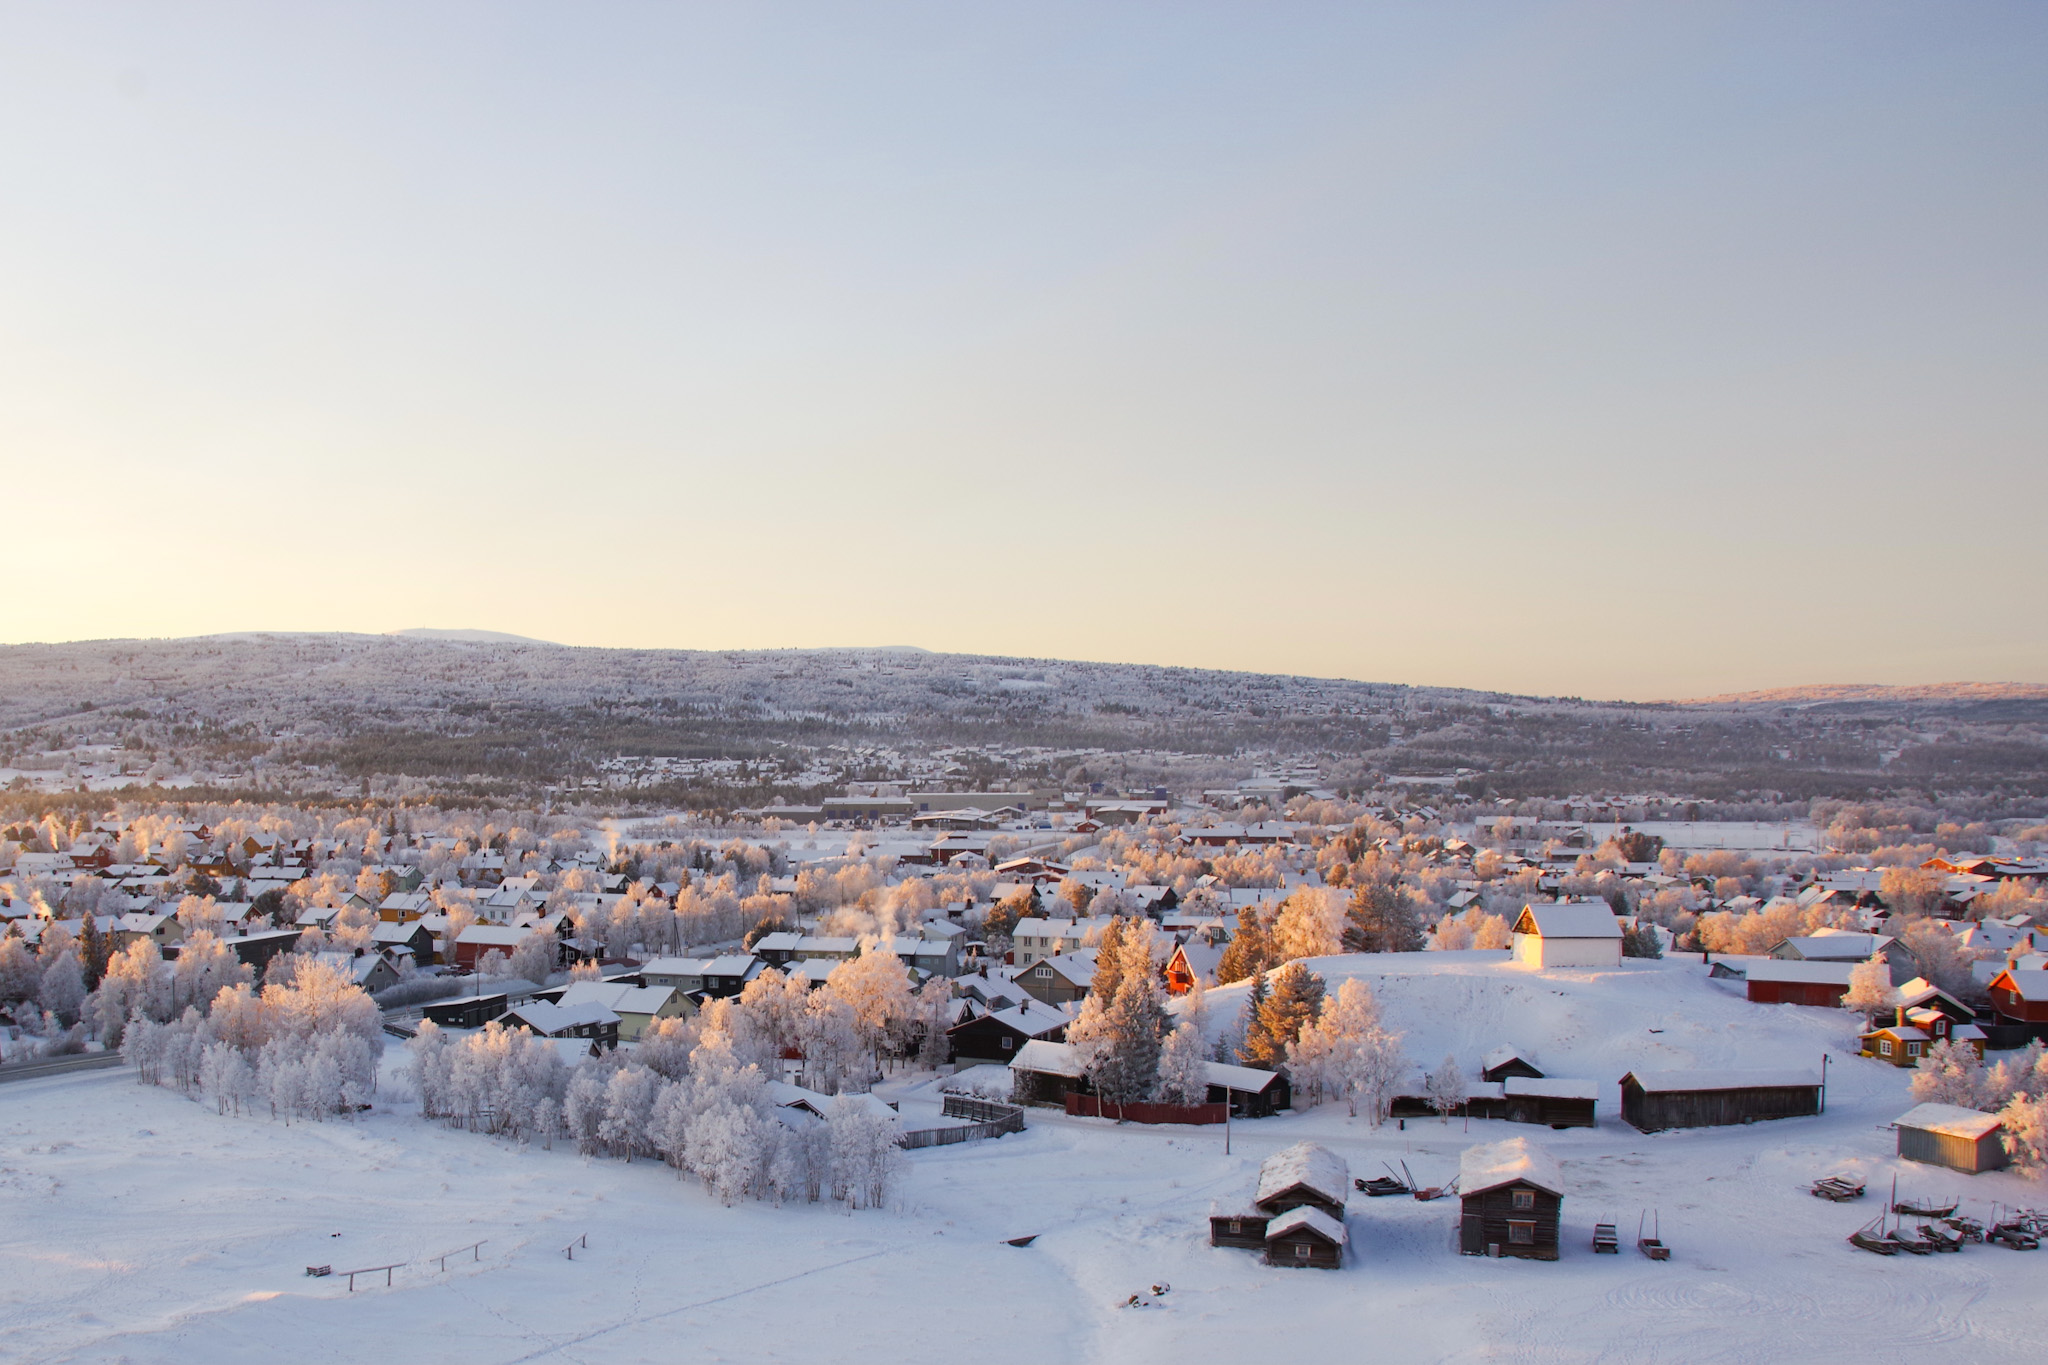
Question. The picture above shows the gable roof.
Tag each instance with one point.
(2030, 982)
(1309, 1217)
(1569, 919)
(1950, 1120)
(1660, 1082)
(1495, 1164)
(1307, 1165)
(1054, 1059)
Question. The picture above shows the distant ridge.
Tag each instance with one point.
(471, 637)
(1827, 692)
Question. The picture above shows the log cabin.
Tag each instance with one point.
(1306, 1237)
(1512, 1201)
(1653, 1101)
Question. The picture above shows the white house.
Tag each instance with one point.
(1568, 934)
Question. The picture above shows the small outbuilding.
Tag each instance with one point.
(1568, 934)
(1966, 1140)
(1305, 1174)
(1656, 1100)
(1512, 1197)
(1505, 1061)
(1305, 1236)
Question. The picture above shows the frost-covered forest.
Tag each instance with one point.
(406, 716)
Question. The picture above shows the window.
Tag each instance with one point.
(1522, 1234)
(1884, 1047)
(1237, 1225)
(1042, 973)
(1525, 1199)
(1007, 1043)
(1302, 1250)
(1912, 1049)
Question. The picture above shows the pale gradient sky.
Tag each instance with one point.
(1615, 350)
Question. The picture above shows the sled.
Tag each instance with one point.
(1877, 1241)
(1020, 1241)
(1838, 1188)
(1911, 1209)
(1943, 1238)
(1653, 1245)
(1969, 1229)
(1380, 1186)
(1914, 1242)
(1605, 1240)
(2014, 1236)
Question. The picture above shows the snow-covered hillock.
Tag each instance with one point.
(1584, 1023)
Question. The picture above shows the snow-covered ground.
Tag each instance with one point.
(1742, 836)
(138, 1226)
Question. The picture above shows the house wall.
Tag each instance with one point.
(1533, 950)
(1238, 1230)
(1304, 1249)
(1957, 1153)
(1715, 1108)
(1821, 993)
(1486, 1217)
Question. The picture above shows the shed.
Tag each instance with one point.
(1512, 1200)
(1505, 1061)
(1238, 1229)
(1306, 1236)
(1250, 1092)
(1307, 1173)
(1966, 1140)
(1655, 1100)
(1568, 934)
(468, 1011)
(1794, 981)
(1556, 1100)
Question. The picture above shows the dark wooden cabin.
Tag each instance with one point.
(1238, 1230)
(998, 1036)
(471, 1011)
(1507, 1061)
(1656, 1100)
(1306, 1237)
(1306, 1174)
(1512, 1199)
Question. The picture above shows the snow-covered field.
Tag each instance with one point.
(1742, 836)
(138, 1226)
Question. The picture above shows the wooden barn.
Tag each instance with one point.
(1554, 1100)
(1567, 934)
(1306, 1237)
(1250, 1092)
(1966, 1140)
(471, 1011)
(1305, 1174)
(1774, 981)
(1655, 1100)
(1512, 1197)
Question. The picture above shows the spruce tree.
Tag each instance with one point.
(1296, 1000)
(1109, 963)
(1255, 1045)
(92, 952)
(1249, 953)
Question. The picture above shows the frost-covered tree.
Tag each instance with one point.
(2025, 1121)
(1184, 1066)
(865, 1157)
(1250, 952)
(1445, 1087)
(533, 958)
(1950, 1073)
(1870, 987)
(876, 985)
(1310, 924)
(62, 988)
(20, 977)
(204, 968)
(1295, 1001)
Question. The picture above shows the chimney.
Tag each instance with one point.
(1899, 1017)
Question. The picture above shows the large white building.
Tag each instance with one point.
(1567, 934)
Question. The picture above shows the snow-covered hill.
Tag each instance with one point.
(143, 1227)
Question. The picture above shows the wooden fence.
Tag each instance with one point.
(1094, 1106)
(991, 1121)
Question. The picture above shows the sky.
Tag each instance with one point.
(1594, 349)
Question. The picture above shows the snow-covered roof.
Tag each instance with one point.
(1246, 1079)
(1309, 1165)
(1950, 1120)
(1306, 1216)
(2030, 982)
(1502, 1055)
(1838, 945)
(618, 997)
(550, 1019)
(1569, 919)
(1054, 1059)
(1659, 1082)
(1079, 968)
(1553, 1087)
(494, 934)
(1494, 1164)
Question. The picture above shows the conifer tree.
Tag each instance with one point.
(1296, 1001)
(1249, 953)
